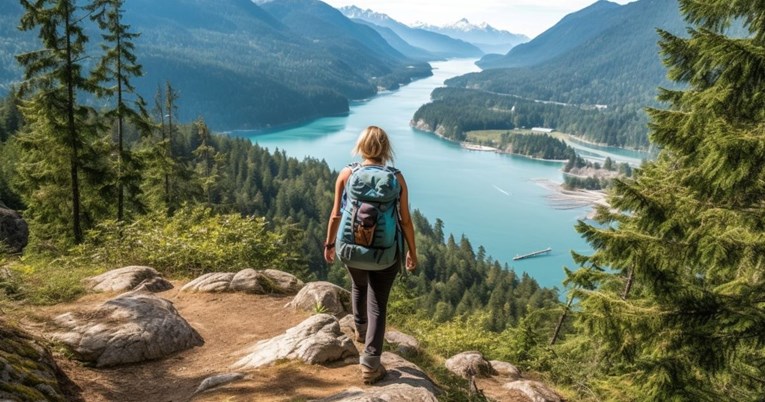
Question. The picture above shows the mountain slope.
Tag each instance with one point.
(235, 63)
(615, 71)
(484, 36)
(399, 44)
(573, 30)
(438, 44)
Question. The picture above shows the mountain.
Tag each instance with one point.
(484, 36)
(240, 66)
(573, 30)
(399, 44)
(438, 44)
(609, 73)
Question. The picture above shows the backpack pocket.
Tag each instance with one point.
(366, 258)
(364, 224)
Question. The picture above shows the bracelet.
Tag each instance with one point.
(329, 246)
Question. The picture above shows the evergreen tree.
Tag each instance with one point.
(208, 162)
(60, 136)
(680, 310)
(116, 67)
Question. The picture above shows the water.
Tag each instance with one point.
(495, 200)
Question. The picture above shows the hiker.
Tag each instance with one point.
(372, 212)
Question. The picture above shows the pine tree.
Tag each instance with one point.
(59, 136)
(209, 162)
(116, 67)
(678, 304)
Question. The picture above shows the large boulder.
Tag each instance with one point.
(282, 282)
(130, 328)
(534, 390)
(316, 340)
(247, 280)
(211, 282)
(323, 295)
(127, 279)
(468, 364)
(28, 371)
(14, 232)
(404, 382)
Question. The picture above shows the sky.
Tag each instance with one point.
(528, 17)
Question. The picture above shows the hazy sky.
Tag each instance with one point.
(529, 17)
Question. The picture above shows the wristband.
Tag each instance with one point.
(329, 246)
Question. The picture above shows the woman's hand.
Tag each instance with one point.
(411, 261)
(329, 254)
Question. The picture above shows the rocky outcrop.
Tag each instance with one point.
(405, 344)
(404, 382)
(212, 282)
(506, 370)
(130, 328)
(127, 279)
(28, 371)
(247, 280)
(316, 340)
(14, 232)
(468, 364)
(534, 390)
(323, 296)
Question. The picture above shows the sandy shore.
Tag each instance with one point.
(561, 198)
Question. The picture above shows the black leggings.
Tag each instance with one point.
(369, 296)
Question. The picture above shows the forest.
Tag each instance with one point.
(668, 306)
(458, 110)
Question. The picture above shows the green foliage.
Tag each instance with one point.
(192, 242)
(678, 314)
(455, 111)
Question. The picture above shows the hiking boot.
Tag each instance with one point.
(372, 375)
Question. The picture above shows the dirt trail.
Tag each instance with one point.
(229, 323)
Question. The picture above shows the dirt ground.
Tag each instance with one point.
(229, 323)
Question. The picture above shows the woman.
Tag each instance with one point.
(371, 289)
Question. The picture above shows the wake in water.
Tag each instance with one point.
(502, 191)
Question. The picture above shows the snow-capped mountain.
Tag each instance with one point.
(483, 35)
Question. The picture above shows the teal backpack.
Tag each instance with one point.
(369, 235)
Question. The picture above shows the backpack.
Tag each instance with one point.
(369, 235)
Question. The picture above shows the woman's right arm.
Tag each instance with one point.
(334, 217)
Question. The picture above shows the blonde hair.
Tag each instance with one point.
(373, 144)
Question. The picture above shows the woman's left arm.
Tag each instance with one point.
(406, 226)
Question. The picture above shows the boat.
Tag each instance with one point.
(532, 254)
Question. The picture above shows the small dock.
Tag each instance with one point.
(534, 254)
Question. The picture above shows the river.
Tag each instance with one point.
(498, 201)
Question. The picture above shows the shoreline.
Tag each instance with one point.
(563, 199)
(471, 146)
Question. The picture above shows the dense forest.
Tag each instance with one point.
(454, 111)
(540, 146)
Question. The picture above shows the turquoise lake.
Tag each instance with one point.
(496, 200)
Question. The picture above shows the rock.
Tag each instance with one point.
(403, 382)
(466, 364)
(28, 371)
(154, 285)
(405, 344)
(315, 340)
(534, 390)
(211, 282)
(332, 298)
(130, 328)
(282, 282)
(218, 380)
(127, 279)
(249, 281)
(506, 370)
(14, 232)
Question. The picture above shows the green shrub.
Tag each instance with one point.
(192, 242)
